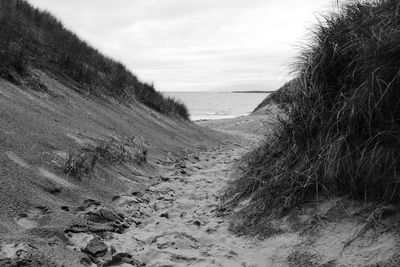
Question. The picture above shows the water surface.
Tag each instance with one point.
(218, 105)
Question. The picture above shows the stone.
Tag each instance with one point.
(96, 248)
(102, 215)
(120, 259)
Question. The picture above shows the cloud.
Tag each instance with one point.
(192, 44)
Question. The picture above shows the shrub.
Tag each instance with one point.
(165, 105)
(342, 125)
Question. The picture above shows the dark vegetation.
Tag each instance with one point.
(340, 134)
(30, 38)
(81, 163)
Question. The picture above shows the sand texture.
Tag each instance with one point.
(167, 211)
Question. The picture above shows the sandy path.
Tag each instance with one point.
(178, 224)
(172, 220)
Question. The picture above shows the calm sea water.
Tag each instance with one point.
(214, 105)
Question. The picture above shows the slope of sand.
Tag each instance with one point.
(39, 202)
(182, 225)
(166, 212)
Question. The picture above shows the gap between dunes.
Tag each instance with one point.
(179, 223)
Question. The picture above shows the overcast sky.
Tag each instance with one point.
(186, 45)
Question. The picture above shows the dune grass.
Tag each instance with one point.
(81, 163)
(31, 38)
(340, 134)
(121, 149)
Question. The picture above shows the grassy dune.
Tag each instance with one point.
(30, 38)
(339, 134)
(277, 97)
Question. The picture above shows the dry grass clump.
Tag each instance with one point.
(123, 149)
(81, 163)
(341, 132)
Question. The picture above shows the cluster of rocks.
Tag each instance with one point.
(98, 221)
(99, 253)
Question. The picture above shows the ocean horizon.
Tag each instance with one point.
(218, 105)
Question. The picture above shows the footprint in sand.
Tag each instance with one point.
(31, 218)
(135, 206)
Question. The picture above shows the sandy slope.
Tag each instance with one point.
(39, 202)
(163, 213)
(176, 220)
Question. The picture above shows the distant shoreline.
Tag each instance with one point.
(252, 92)
(227, 92)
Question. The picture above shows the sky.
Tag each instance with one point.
(195, 45)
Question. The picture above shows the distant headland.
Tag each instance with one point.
(253, 92)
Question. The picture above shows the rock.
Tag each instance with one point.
(97, 228)
(121, 258)
(109, 215)
(102, 215)
(8, 262)
(86, 261)
(96, 248)
(88, 203)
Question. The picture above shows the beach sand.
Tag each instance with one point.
(166, 212)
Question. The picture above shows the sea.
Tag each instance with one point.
(218, 105)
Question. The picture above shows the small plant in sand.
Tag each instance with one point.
(80, 163)
(139, 147)
(122, 149)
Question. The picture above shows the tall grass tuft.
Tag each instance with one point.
(81, 163)
(341, 129)
(122, 149)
